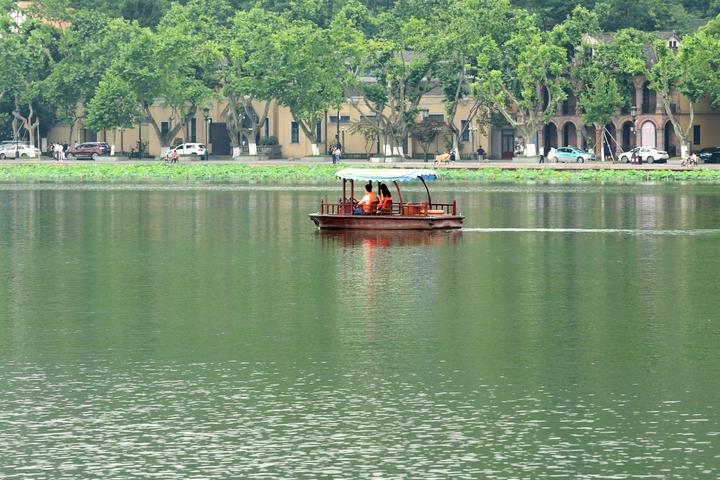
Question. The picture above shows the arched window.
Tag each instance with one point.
(649, 101)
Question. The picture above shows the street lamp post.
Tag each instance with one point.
(206, 115)
(342, 144)
(633, 117)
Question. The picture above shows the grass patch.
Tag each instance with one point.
(243, 173)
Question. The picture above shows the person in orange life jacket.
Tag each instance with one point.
(385, 205)
(367, 202)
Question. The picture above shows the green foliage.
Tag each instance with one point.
(700, 61)
(324, 172)
(308, 75)
(114, 106)
(523, 75)
(600, 99)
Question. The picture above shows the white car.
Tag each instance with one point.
(189, 149)
(646, 154)
(20, 149)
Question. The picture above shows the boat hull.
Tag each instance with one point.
(387, 222)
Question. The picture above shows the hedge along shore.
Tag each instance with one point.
(325, 172)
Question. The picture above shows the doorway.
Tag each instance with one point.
(507, 144)
(220, 139)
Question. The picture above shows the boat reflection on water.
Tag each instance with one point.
(389, 238)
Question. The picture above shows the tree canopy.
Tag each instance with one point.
(516, 59)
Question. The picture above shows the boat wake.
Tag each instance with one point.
(611, 231)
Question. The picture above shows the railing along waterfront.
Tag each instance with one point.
(406, 209)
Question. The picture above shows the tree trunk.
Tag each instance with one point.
(683, 135)
(70, 133)
(528, 132)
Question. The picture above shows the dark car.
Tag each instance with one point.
(710, 155)
(88, 150)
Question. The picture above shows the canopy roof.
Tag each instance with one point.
(386, 174)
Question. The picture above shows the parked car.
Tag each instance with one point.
(103, 145)
(86, 150)
(646, 154)
(710, 155)
(190, 149)
(571, 154)
(18, 150)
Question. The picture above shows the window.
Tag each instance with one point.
(318, 132)
(343, 119)
(436, 117)
(696, 135)
(193, 130)
(164, 128)
(266, 126)
(465, 128)
(294, 133)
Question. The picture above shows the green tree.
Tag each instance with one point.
(113, 106)
(462, 28)
(523, 77)
(176, 66)
(307, 74)
(87, 49)
(247, 76)
(28, 53)
(398, 67)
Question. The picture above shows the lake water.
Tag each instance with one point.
(567, 332)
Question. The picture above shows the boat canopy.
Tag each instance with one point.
(387, 174)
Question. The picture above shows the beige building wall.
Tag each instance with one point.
(706, 122)
(280, 125)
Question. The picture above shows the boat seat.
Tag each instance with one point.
(437, 212)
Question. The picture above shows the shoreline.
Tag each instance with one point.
(312, 172)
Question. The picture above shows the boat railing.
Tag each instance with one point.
(406, 209)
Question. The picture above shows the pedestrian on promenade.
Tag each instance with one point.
(693, 160)
(541, 152)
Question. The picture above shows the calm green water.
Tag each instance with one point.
(213, 333)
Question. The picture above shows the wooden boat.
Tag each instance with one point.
(403, 216)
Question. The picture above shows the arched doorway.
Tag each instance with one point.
(628, 139)
(609, 141)
(671, 141)
(647, 134)
(550, 138)
(649, 99)
(569, 135)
